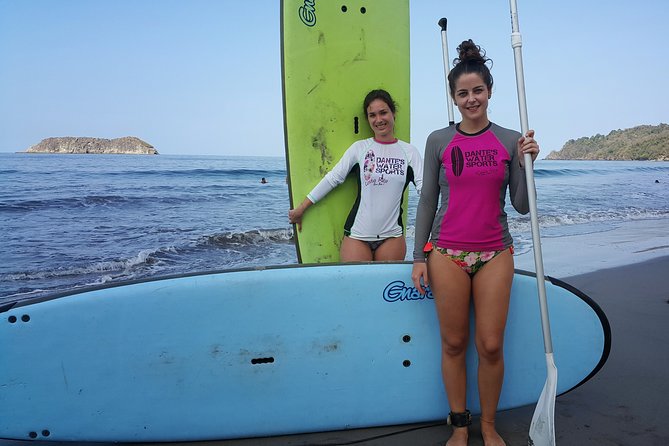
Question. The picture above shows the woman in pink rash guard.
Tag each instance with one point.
(463, 243)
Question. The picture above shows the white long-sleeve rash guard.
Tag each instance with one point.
(384, 172)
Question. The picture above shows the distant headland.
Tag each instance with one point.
(128, 145)
(642, 143)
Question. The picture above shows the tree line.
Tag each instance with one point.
(641, 143)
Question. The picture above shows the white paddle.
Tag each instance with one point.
(447, 68)
(542, 427)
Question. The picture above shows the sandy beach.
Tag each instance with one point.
(624, 404)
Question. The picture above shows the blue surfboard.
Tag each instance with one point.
(265, 351)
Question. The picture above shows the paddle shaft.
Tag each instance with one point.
(516, 43)
(444, 48)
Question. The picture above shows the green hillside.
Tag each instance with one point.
(645, 142)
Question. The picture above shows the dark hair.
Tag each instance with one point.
(378, 94)
(471, 59)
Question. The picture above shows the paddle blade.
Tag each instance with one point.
(542, 427)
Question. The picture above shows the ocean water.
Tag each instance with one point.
(68, 221)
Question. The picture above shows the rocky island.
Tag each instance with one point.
(128, 145)
(641, 143)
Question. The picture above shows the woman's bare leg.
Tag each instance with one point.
(491, 293)
(451, 288)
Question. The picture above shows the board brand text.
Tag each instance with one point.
(398, 291)
(307, 12)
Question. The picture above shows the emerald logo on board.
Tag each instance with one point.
(398, 291)
(307, 12)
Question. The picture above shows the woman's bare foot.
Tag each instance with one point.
(490, 435)
(459, 437)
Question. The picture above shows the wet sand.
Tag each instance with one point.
(626, 403)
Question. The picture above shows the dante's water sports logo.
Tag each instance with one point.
(307, 12)
(390, 166)
(397, 291)
(369, 166)
(381, 166)
(457, 161)
(482, 159)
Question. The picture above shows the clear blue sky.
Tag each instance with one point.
(203, 76)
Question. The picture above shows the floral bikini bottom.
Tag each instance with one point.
(470, 261)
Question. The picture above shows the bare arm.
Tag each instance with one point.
(295, 215)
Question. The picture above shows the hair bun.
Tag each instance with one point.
(468, 51)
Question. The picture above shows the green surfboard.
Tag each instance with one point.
(333, 54)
